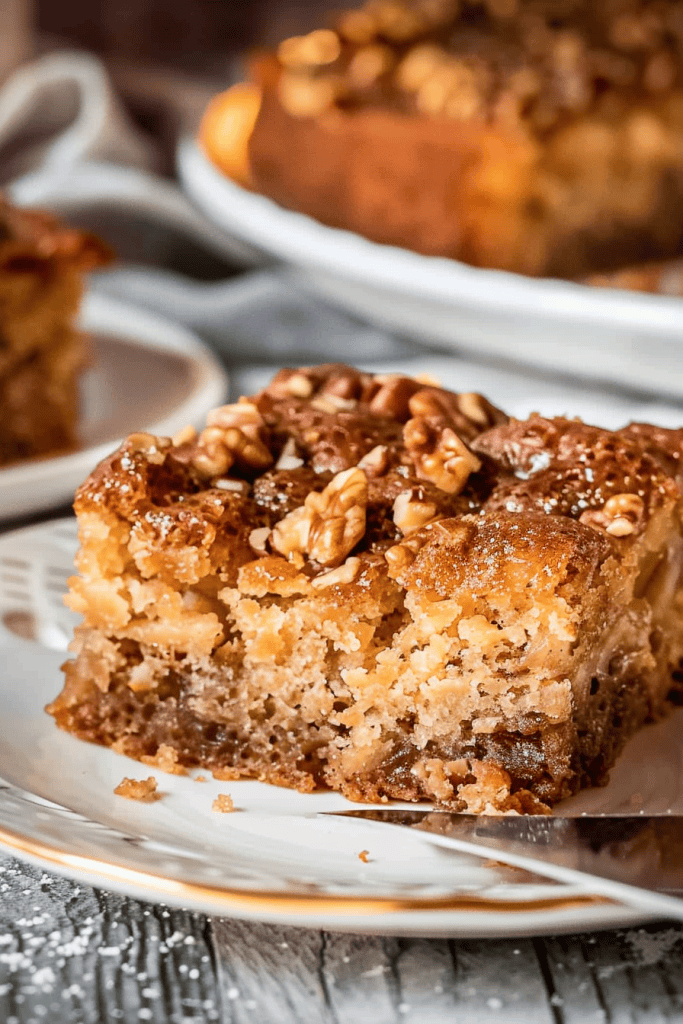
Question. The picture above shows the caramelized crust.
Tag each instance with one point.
(380, 586)
(42, 265)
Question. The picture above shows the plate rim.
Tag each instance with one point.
(462, 916)
(300, 239)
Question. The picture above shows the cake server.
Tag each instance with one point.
(633, 859)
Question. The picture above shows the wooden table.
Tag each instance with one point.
(74, 955)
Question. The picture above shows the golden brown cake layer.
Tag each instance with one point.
(373, 584)
(537, 136)
(42, 265)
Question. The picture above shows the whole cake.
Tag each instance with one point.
(376, 585)
(42, 354)
(539, 136)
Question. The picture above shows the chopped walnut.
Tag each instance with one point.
(288, 458)
(451, 90)
(467, 413)
(369, 64)
(474, 408)
(258, 539)
(228, 484)
(299, 386)
(144, 790)
(303, 96)
(223, 804)
(401, 556)
(419, 65)
(392, 395)
(329, 524)
(376, 462)
(358, 26)
(318, 48)
(439, 455)
(234, 435)
(619, 516)
(345, 573)
(411, 514)
(396, 20)
(185, 436)
(151, 447)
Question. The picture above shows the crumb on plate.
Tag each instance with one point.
(223, 804)
(138, 789)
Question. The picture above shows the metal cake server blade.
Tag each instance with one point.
(633, 859)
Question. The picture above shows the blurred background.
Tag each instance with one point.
(165, 59)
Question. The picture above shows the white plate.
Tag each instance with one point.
(624, 337)
(273, 859)
(144, 373)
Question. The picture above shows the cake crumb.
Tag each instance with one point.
(223, 804)
(364, 855)
(138, 789)
(165, 759)
(200, 778)
(225, 774)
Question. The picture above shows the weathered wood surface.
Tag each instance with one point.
(72, 955)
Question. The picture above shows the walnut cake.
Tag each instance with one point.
(538, 136)
(42, 354)
(376, 585)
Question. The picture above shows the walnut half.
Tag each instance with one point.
(329, 524)
(439, 455)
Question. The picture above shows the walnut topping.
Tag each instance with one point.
(185, 436)
(313, 50)
(243, 414)
(288, 456)
(411, 514)
(392, 396)
(369, 64)
(152, 447)
(327, 403)
(376, 462)
(233, 435)
(439, 455)
(358, 26)
(401, 556)
(258, 539)
(473, 407)
(451, 90)
(329, 524)
(227, 484)
(303, 96)
(418, 66)
(618, 517)
(299, 386)
(345, 573)
(396, 20)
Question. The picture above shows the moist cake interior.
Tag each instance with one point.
(372, 584)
